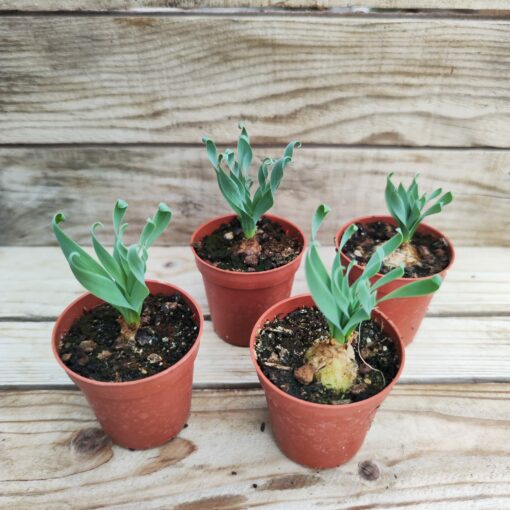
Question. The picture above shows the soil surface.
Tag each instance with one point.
(94, 347)
(432, 252)
(282, 343)
(227, 248)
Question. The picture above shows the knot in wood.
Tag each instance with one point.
(90, 441)
(368, 470)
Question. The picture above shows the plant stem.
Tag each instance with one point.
(248, 225)
(132, 318)
(336, 334)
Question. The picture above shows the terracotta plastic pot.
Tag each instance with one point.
(143, 413)
(237, 299)
(319, 435)
(406, 313)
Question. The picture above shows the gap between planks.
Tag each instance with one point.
(368, 8)
(267, 145)
(354, 13)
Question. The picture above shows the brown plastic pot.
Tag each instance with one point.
(237, 299)
(406, 313)
(147, 412)
(319, 435)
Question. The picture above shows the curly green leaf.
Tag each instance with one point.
(344, 304)
(236, 184)
(118, 278)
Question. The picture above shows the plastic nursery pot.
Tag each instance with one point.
(406, 313)
(143, 413)
(319, 435)
(237, 299)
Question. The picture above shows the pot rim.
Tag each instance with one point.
(385, 217)
(125, 384)
(245, 274)
(313, 405)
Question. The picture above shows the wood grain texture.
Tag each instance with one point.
(327, 80)
(37, 283)
(85, 182)
(446, 349)
(466, 339)
(281, 5)
(430, 447)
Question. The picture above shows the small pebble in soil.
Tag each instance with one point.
(87, 345)
(145, 336)
(104, 355)
(154, 358)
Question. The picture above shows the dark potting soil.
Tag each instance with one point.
(227, 248)
(94, 348)
(282, 343)
(433, 253)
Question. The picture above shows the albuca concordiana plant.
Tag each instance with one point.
(117, 278)
(345, 305)
(408, 208)
(235, 183)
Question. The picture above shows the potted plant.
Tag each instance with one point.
(424, 250)
(130, 343)
(327, 360)
(248, 259)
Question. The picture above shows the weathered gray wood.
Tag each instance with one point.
(467, 340)
(37, 282)
(84, 182)
(446, 349)
(430, 447)
(322, 79)
(280, 5)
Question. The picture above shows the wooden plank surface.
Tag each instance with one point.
(430, 447)
(465, 338)
(37, 283)
(320, 5)
(85, 181)
(453, 350)
(327, 80)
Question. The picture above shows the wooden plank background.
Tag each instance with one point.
(37, 282)
(325, 80)
(446, 350)
(422, 450)
(224, 461)
(84, 182)
(101, 106)
(463, 339)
